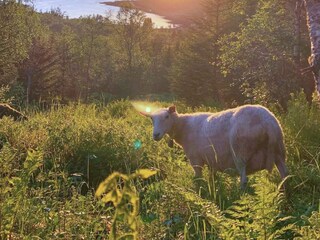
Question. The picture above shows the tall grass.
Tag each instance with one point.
(45, 161)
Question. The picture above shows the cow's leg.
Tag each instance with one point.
(240, 157)
(197, 168)
(198, 180)
(196, 164)
(241, 167)
(197, 171)
(243, 178)
(282, 168)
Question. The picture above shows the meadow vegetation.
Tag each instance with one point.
(41, 197)
(74, 79)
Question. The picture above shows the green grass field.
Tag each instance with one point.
(40, 193)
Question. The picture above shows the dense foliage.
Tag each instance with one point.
(73, 74)
(48, 162)
(234, 52)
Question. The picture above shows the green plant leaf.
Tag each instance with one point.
(145, 173)
(127, 236)
(109, 183)
(114, 196)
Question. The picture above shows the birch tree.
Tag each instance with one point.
(313, 21)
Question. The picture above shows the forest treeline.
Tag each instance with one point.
(234, 52)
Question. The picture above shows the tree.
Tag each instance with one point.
(18, 25)
(160, 54)
(258, 59)
(84, 52)
(65, 43)
(40, 72)
(132, 31)
(91, 37)
(313, 21)
(196, 74)
(301, 49)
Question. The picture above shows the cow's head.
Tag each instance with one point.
(162, 120)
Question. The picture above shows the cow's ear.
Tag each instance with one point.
(172, 109)
(145, 114)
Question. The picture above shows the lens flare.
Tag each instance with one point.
(145, 107)
(137, 144)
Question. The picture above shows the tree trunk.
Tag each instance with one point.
(297, 48)
(29, 84)
(313, 21)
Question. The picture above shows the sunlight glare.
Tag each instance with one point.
(137, 144)
(144, 107)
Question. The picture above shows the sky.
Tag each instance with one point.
(76, 8)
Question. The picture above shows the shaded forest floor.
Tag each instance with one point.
(48, 162)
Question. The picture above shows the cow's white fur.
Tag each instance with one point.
(248, 138)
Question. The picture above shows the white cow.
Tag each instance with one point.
(248, 138)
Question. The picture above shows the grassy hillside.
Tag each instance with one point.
(40, 196)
